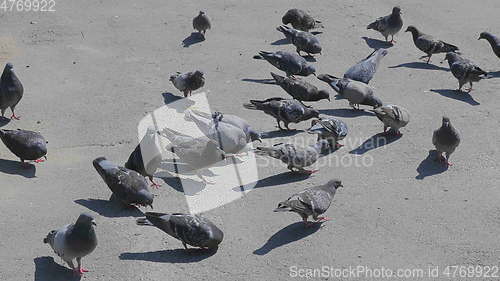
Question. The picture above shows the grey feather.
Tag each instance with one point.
(388, 25)
(188, 82)
(331, 129)
(290, 63)
(302, 40)
(364, 70)
(300, 89)
(147, 165)
(428, 44)
(493, 40)
(393, 116)
(464, 70)
(26, 145)
(201, 23)
(300, 20)
(11, 90)
(446, 139)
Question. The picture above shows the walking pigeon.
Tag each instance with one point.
(393, 116)
(11, 90)
(464, 70)
(354, 91)
(364, 70)
(388, 25)
(331, 129)
(286, 110)
(127, 185)
(493, 40)
(428, 44)
(201, 23)
(446, 139)
(290, 63)
(188, 82)
(152, 154)
(300, 20)
(312, 201)
(74, 241)
(300, 89)
(193, 230)
(26, 145)
(302, 40)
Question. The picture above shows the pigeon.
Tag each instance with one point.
(286, 110)
(290, 63)
(428, 44)
(464, 70)
(388, 25)
(74, 241)
(355, 92)
(127, 185)
(296, 158)
(11, 90)
(331, 129)
(302, 40)
(493, 40)
(26, 145)
(393, 116)
(313, 201)
(300, 20)
(136, 161)
(188, 82)
(193, 230)
(300, 89)
(446, 139)
(231, 139)
(201, 23)
(364, 70)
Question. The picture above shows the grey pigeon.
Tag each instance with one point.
(231, 139)
(74, 241)
(296, 158)
(313, 201)
(188, 82)
(127, 185)
(290, 63)
(300, 20)
(446, 139)
(357, 93)
(193, 230)
(136, 160)
(388, 25)
(11, 90)
(331, 129)
(302, 40)
(286, 110)
(26, 145)
(201, 23)
(364, 70)
(300, 89)
(428, 44)
(393, 116)
(493, 40)
(464, 70)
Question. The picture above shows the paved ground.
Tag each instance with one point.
(93, 69)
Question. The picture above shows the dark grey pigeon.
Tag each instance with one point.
(364, 70)
(201, 23)
(428, 44)
(193, 230)
(464, 70)
(393, 116)
(127, 185)
(300, 89)
(388, 25)
(153, 157)
(313, 201)
(331, 129)
(290, 63)
(355, 92)
(286, 110)
(302, 40)
(26, 145)
(493, 40)
(300, 20)
(446, 139)
(74, 241)
(296, 158)
(11, 90)
(188, 82)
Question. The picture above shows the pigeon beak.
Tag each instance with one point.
(93, 223)
(151, 205)
(479, 38)
(329, 99)
(314, 74)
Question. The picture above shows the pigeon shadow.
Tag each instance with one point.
(283, 41)
(455, 94)
(377, 44)
(287, 235)
(187, 186)
(192, 39)
(429, 166)
(316, 32)
(180, 107)
(46, 269)
(4, 121)
(495, 74)
(280, 133)
(346, 112)
(282, 178)
(376, 141)
(170, 256)
(261, 81)
(109, 208)
(421, 65)
(16, 168)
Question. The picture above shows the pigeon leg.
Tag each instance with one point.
(186, 92)
(470, 89)
(308, 172)
(392, 39)
(321, 219)
(71, 265)
(25, 165)
(447, 160)
(338, 145)
(203, 179)
(279, 125)
(80, 270)
(154, 184)
(385, 130)
(14, 116)
(39, 160)
(286, 126)
(306, 223)
(185, 245)
(429, 59)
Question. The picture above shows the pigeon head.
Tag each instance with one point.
(451, 57)
(484, 35)
(198, 73)
(85, 220)
(335, 183)
(9, 66)
(308, 70)
(331, 80)
(202, 13)
(396, 10)
(287, 18)
(324, 94)
(414, 31)
(446, 121)
(217, 116)
(145, 198)
(315, 48)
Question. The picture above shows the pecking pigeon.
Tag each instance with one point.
(446, 139)
(393, 116)
(11, 90)
(188, 82)
(493, 40)
(464, 70)
(428, 44)
(331, 129)
(300, 89)
(290, 63)
(388, 25)
(364, 70)
(302, 40)
(300, 20)
(26, 145)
